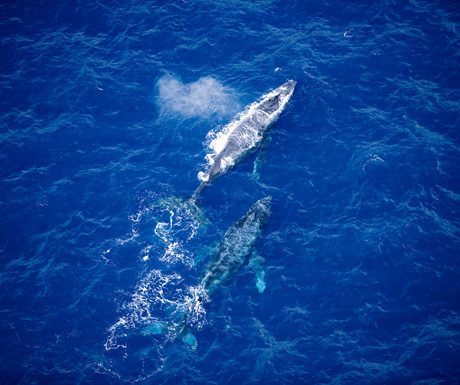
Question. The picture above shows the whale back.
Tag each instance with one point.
(236, 246)
(247, 132)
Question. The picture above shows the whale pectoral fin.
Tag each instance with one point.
(256, 263)
(260, 160)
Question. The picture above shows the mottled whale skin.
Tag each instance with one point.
(234, 250)
(236, 247)
(250, 132)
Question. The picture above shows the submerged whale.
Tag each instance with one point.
(249, 132)
(236, 247)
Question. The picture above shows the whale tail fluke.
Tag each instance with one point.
(181, 330)
(187, 337)
(156, 328)
(199, 189)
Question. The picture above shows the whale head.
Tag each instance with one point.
(270, 105)
(277, 99)
(262, 210)
(265, 203)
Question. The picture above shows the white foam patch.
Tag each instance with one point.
(194, 306)
(142, 310)
(168, 231)
(204, 98)
(157, 299)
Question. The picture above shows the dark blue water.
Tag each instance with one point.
(108, 107)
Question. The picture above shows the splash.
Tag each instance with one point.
(149, 296)
(173, 231)
(168, 221)
(204, 98)
(157, 298)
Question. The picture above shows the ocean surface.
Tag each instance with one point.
(108, 108)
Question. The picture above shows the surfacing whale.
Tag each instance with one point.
(236, 247)
(248, 132)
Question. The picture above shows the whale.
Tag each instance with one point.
(248, 132)
(234, 250)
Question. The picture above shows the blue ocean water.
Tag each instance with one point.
(108, 107)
